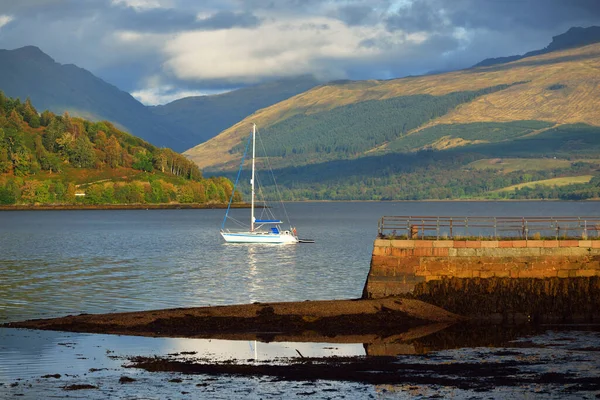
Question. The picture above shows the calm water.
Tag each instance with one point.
(55, 263)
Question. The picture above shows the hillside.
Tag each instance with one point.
(556, 88)
(207, 116)
(50, 159)
(28, 72)
(414, 138)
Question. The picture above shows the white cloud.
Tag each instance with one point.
(165, 94)
(278, 47)
(5, 19)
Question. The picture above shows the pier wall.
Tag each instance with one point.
(489, 276)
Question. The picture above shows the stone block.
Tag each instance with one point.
(486, 274)
(586, 272)
(550, 244)
(530, 273)
(502, 274)
(402, 270)
(381, 251)
(467, 273)
(443, 243)
(562, 273)
(440, 252)
(535, 243)
(595, 244)
(423, 244)
(519, 243)
(585, 243)
(433, 278)
(423, 251)
(460, 244)
(556, 252)
(464, 252)
(435, 264)
(568, 243)
(452, 252)
(504, 244)
(487, 244)
(385, 261)
(382, 243)
(405, 244)
(401, 252)
(491, 252)
(473, 244)
(409, 261)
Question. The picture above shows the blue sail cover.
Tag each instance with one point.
(267, 221)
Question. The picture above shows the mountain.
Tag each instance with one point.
(574, 37)
(435, 136)
(29, 72)
(207, 116)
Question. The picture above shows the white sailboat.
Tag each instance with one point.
(260, 230)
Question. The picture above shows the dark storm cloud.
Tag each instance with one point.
(229, 19)
(357, 14)
(436, 15)
(129, 42)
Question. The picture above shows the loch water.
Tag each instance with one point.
(55, 263)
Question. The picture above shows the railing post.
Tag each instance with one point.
(438, 229)
(495, 229)
(466, 227)
(451, 235)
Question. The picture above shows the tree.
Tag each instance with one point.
(82, 154)
(113, 152)
(142, 160)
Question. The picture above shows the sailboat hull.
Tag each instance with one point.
(259, 237)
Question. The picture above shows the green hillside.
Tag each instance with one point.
(458, 172)
(50, 159)
(356, 128)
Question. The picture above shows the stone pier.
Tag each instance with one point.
(499, 277)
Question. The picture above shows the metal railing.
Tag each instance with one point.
(428, 227)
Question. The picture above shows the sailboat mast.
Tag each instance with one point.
(252, 179)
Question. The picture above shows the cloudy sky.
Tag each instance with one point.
(160, 50)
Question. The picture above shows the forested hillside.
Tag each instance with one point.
(557, 88)
(442, 136)
(58, 159)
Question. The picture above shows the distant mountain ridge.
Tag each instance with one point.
(182, 124)
(574, 37)
(207, 116)
(29, 72)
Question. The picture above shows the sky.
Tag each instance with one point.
(161, 50)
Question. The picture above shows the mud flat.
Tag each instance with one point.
(321, 318)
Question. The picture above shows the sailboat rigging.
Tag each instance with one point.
(257, 233)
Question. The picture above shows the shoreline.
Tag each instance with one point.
(173, 206)
(199, 206)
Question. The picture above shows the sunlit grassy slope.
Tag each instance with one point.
(557, 88)
(550, 182)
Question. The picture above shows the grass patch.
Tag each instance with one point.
(520, 164)
(454, 135)
(568, 180)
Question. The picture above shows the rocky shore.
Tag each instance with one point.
(327, 318)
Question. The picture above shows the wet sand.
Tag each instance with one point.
(328, 318)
